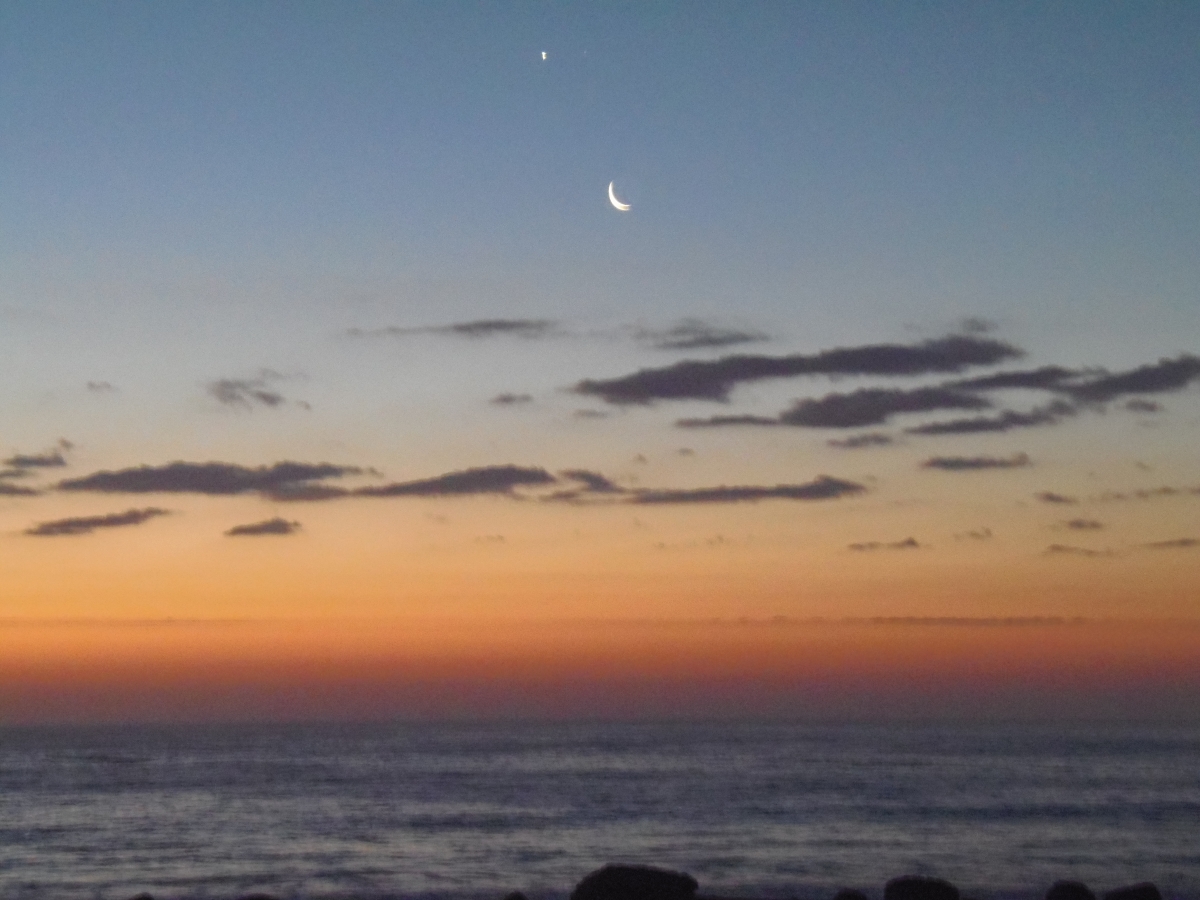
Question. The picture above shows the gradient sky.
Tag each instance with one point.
(374, 240)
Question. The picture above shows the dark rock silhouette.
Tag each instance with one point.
(920, 887)
(850, 894)
(1144, 891)
(515, 895)
(615, 882)
(1069, 890)
(142, 896)
(258, 897)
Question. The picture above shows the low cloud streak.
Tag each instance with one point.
(713, 380)
(88, 524)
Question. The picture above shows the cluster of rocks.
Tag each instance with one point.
(615, 882)
(647, 883)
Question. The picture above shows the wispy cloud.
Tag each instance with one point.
(1067, 550)
(1044, 378)
(1005, 421)
(1157, 493)
(696, 334)
(867, 546)
(859, 441)
(869, 406)
(1143, 406)
(727, 421)
(1083, 524)
(8, 489)
(1165, 375)
(1176, 544)
(511, 399)
(874, 406)
(213, 478)
(50, 460)
(593, 482)
(477, 328)
(821, 488)
(977, 534)
(972, 463)
(484, 480)
(714, 379)
(588, 487)
(88, 524)
(1052, 497)
(268, 527)
(101, 387)
(246, 393)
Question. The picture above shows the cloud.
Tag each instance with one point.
(906, 544)
(50, 460)
(1143, 406)
(873, 406)
(244, 393)
(1051, 497)
(1165, 375)
(858, 441)
(821, 488)
(1065, 550)
(593, 482)
(725, 421)
(270, 526)
(1046, 378)
(478, 328)
(15, 490)
(1083, 525)
(695, 334)
(100, 387)
(592, 485)
(485, 480)
(1177, 544)
(971, 463)
(714, 379)
(1006, 421)
(979, 534)
(88, 524)
(511, 399)
(213, 478)
(976, 325)
(1146, 494)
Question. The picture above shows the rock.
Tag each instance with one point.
(515, 895)
(258, 897)
(850, 894)
(142, 896)
(1069, 890)
(635, 883)
(1144, 891)
(920, 887)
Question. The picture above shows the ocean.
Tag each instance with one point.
(463, 811)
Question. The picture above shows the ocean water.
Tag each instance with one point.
(474, 811)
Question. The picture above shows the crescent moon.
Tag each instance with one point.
(612, 198)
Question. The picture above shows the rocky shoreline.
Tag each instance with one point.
(626, 882)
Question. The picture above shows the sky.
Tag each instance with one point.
(333, 385)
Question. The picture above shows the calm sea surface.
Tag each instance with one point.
(466, 811)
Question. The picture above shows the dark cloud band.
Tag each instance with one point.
(822, 488)
(478, 328)
(973, 463)
(88, 524)
(206, 478)
(713, 380)
(485, 480)
(275, 526)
